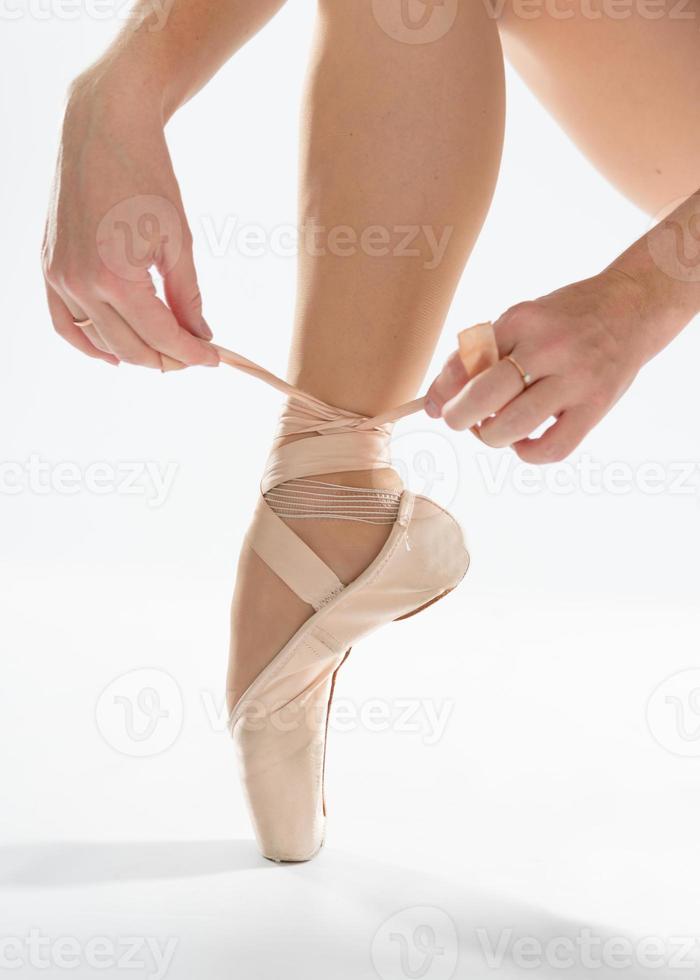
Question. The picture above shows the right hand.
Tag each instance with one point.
(116, 211)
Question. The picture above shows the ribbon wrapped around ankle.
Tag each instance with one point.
(320, 416)
(352, 441)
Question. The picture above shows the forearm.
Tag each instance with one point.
(664, 266)
(169, 51)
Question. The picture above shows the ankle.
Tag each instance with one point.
(372, 479)
(328, 500)
(383, 479)
(345, 523)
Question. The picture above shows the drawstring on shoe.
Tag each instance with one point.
(316, 500)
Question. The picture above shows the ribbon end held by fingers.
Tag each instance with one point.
(477, 348)
(478, 351)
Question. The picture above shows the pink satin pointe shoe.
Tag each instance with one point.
(280, 723)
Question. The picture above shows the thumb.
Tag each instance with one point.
(183, 295)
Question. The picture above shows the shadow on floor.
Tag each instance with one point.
(66, 863)
(343, 916)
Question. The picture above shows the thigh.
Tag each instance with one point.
(623, 79)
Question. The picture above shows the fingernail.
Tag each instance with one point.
(206, 330)
(432, 409)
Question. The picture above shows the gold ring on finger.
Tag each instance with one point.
(525, 375)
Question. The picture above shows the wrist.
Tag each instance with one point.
(660, 305)
(630, 305)
(663, 281)
(124, 85)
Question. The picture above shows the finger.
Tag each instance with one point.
(559, 440)
(81, 319)
(122, 339)
(484, 395)
(113, 333)
(93, 336)
(156, 325)
(446, 385)
(85, 324)
(514, 327)
(524, 414)
(184, 298)
(63, 324)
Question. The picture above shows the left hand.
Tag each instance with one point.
(582, 345)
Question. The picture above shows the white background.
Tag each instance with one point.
(547, 806)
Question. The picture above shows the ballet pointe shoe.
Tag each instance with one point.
(279, 725)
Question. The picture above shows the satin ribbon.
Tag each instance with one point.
(304, 413)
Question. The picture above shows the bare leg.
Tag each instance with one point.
(627, 89)
(400, 150)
